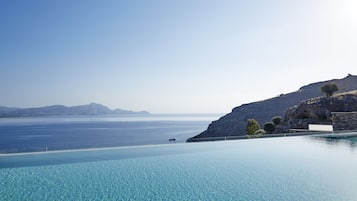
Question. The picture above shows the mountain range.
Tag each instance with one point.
(59, 110)
(234, 123)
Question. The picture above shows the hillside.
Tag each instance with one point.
(234, 123)
(318, 111)
(59, 110)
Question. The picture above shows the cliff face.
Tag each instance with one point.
(318, 110)
(234, 123)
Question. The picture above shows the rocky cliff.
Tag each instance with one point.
(318, 110)
(234, 123)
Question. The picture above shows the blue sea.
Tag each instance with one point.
(35, 134)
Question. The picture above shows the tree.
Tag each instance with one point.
(269, 127)
(252, 126)
(329, 89)
(276, 120)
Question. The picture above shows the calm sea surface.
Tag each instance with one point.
(61, 133)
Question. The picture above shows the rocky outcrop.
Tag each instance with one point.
(234, 123)
(318, 111)
(343, 121)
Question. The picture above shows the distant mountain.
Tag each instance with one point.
(234, 123)
(59, 110)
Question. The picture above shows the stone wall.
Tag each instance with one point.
(344, 121)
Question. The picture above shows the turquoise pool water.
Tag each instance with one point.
(290, 168)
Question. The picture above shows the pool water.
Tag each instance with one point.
(287, 168)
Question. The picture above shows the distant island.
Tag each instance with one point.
(61, 110)
(296, 109)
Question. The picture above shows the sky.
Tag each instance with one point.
(187, 56)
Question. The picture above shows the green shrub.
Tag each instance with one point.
(276, 120)
(329, 89)
(269, 127)
(252, 126)
(259, 132)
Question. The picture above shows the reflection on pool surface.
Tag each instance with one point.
(288, 168)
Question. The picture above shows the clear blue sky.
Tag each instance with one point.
(187, 56)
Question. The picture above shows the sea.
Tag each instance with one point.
(37, 134)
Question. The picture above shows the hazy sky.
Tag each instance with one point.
(171, 56)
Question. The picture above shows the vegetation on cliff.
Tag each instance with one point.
(329, 89)
(252, 126)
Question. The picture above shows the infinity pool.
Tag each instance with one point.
(288, 168)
